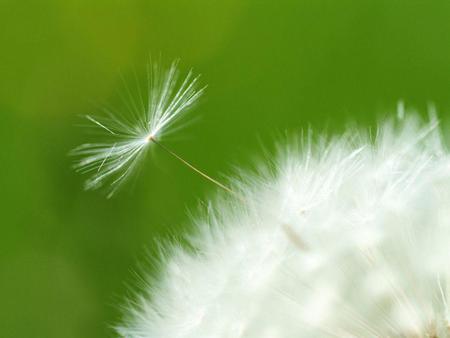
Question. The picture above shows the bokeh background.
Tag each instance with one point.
(67, 256)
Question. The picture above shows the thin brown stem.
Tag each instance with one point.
(198, 171)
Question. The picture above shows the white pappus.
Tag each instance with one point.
(340, 237)
(150, 116)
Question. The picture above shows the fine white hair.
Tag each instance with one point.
(337, 237)
(151, 115)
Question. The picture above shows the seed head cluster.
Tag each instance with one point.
(344, 237)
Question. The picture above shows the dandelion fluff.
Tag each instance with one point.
(347, 237)
(149, 118)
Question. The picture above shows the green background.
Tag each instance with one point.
(67, 256)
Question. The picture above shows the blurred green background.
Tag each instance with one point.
(67, 255)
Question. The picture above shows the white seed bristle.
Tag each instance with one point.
(111, 162)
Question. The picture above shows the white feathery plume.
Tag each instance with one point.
(343, 237)
(130, 134)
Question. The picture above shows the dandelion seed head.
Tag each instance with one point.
(149, 116)
(345, 238)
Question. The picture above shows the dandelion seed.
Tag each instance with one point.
(168, 98)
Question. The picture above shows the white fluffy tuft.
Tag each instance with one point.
(151, 116)
(342, 238)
